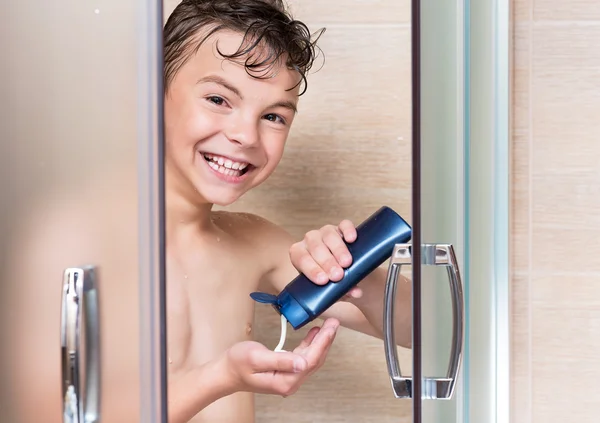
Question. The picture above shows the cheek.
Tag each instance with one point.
(187, 128)
(274, 152)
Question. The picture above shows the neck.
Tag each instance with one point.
(185, 209)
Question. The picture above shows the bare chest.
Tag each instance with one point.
(208, 304)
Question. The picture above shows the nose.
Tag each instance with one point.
(244, 132)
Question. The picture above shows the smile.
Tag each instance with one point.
(226, 166)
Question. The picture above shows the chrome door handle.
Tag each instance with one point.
(80, 346)
(433, 255)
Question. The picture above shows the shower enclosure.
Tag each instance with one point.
(460, 195)
(82, 313)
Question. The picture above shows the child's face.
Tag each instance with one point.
(219, 119)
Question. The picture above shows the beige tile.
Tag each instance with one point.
(521, 119)
(567, 292)
(522, 45)
(520, 221)
(572, 10)
(566, 221)
(570, 46)
(521, 10)
(168, 7)
(566, 340)
(351, 11)
(568, 200)
(520, 351)
(566, 127)
(361, 98)
(520, 79)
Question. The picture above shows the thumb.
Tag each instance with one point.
(286, 362)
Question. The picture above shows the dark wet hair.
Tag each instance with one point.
(269, 34)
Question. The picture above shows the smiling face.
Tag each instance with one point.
(225, 129)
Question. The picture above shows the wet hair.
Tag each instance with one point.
(270, 35)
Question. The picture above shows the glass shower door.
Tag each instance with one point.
(80, 232)
(438, 178)
(460, 215)
(439, 196)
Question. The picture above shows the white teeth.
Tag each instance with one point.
(225, 166)
(226, 163)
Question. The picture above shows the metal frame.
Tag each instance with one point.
(465, 180)
(153, 342)
(487, 123)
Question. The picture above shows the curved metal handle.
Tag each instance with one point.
(80, 346)
(433, 255)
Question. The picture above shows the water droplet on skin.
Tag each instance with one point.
(185, 276)
(218, 239)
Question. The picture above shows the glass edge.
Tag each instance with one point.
(153, 379)
(502, 98)
(488, 203)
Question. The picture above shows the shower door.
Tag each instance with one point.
(460, 215)
(80, 232)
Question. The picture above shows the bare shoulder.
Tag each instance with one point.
(271, 244)
(268, 240)
(257, 229)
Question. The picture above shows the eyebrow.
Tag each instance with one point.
(218, 80)
(285, 104)
(215, 79)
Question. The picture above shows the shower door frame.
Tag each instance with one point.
(478, 130)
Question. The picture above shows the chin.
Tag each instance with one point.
(221, 199)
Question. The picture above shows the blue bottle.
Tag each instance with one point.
(302, 301)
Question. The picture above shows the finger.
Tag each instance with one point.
(262, 361)
(308, 339)
(306, 264)
(335, 243)
(355, 292)
(348, 230)
(315, 362)
(322, 255)
(284, 384)
(317, 350)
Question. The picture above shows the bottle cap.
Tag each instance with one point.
(285, 304)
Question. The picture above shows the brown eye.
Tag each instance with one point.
(216, 100)
(272, 117)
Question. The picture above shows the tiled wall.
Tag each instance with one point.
(348, 154)
(556, 212)
(556, 198)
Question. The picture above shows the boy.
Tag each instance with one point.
(233, 74)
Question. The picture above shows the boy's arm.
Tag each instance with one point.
(370, 305)
(363, 314)
(191, 393)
